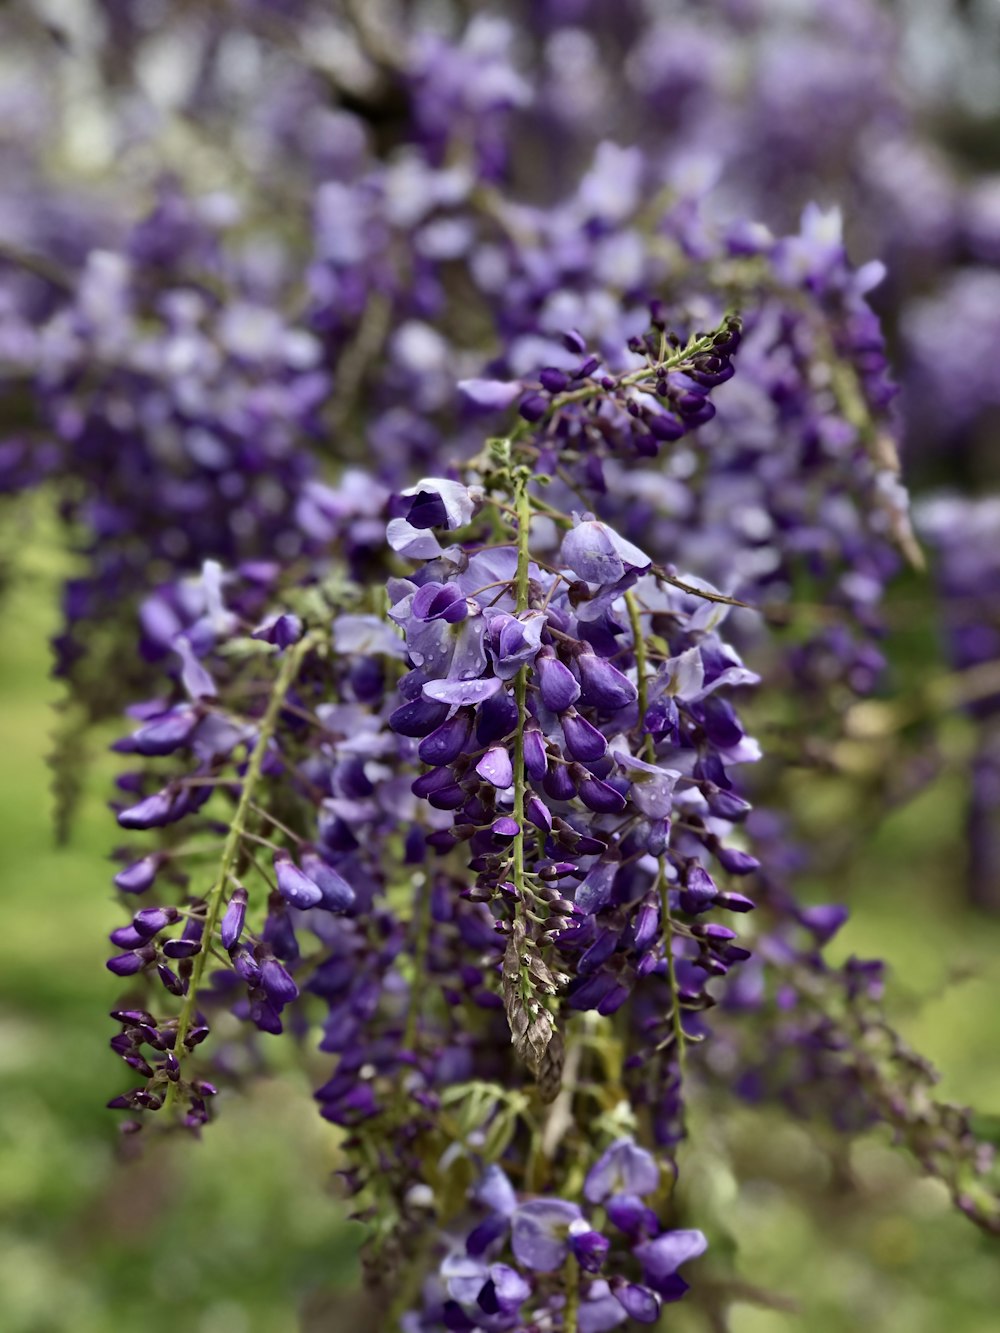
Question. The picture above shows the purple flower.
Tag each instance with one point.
(535, 756)
(447, 742)
(490, 395)
(540, 1233)
(629, 1214)
(596, 554)
(699, 890)
(583, 741)
(436, 502)
(164, 734)
(504, 1291)
(557, 685)
(139, 876)
(276, 981)
(295, 887)
(639, 1302)
(149, 921)
(651, 787)
(599, 1310)
(338, 896)
(151, 812)
(601, 797)
(282, 629)
(590, 1248)
(623, 1168)
(662, 1256)
(603, 685)
(496, 718)
(439, 601)
(533, 407)
(233, 918)
(495, 1192)
(513, 640)
(595, 890)
(127, 964)
(824, 920)
(495, 767)
(553, 380)
(196, 679)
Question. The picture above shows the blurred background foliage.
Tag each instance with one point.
(243, 1232)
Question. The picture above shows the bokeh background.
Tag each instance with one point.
(242, 1232)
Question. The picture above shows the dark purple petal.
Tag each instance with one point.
(603, 685)
(152, 812)
(538, 814)
(149, 921)
(583, 741)
(661, 1257)
(734, 902)
(126, 964)
(496, 718)
(177, 949)
(447, 742)
(590, 1249)
(600, 797)
(139, 876)
(594, 892)
(630, 1215)
(418, 718)
(639, 1303)
(535, 756)
(233, 918)
(282, 630)
(276, 981)
(737, 862)
(698, 891)
(504, 1292)
(557, 685)
(533, 407)
(338, 895)
(495, 767)
(295, 887)
(553, 380)
(126, 937)
(165, 734)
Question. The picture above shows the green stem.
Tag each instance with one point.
(641, 376)
(571, 1278)
(639, 649)
(289, 670)
(522, 507)
(680, 1040)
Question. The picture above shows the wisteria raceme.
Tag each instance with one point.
(511, 773)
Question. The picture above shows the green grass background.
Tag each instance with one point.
(240, 1233)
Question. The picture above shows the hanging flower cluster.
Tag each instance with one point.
(480, 829)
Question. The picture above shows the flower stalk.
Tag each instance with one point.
(291, 664)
